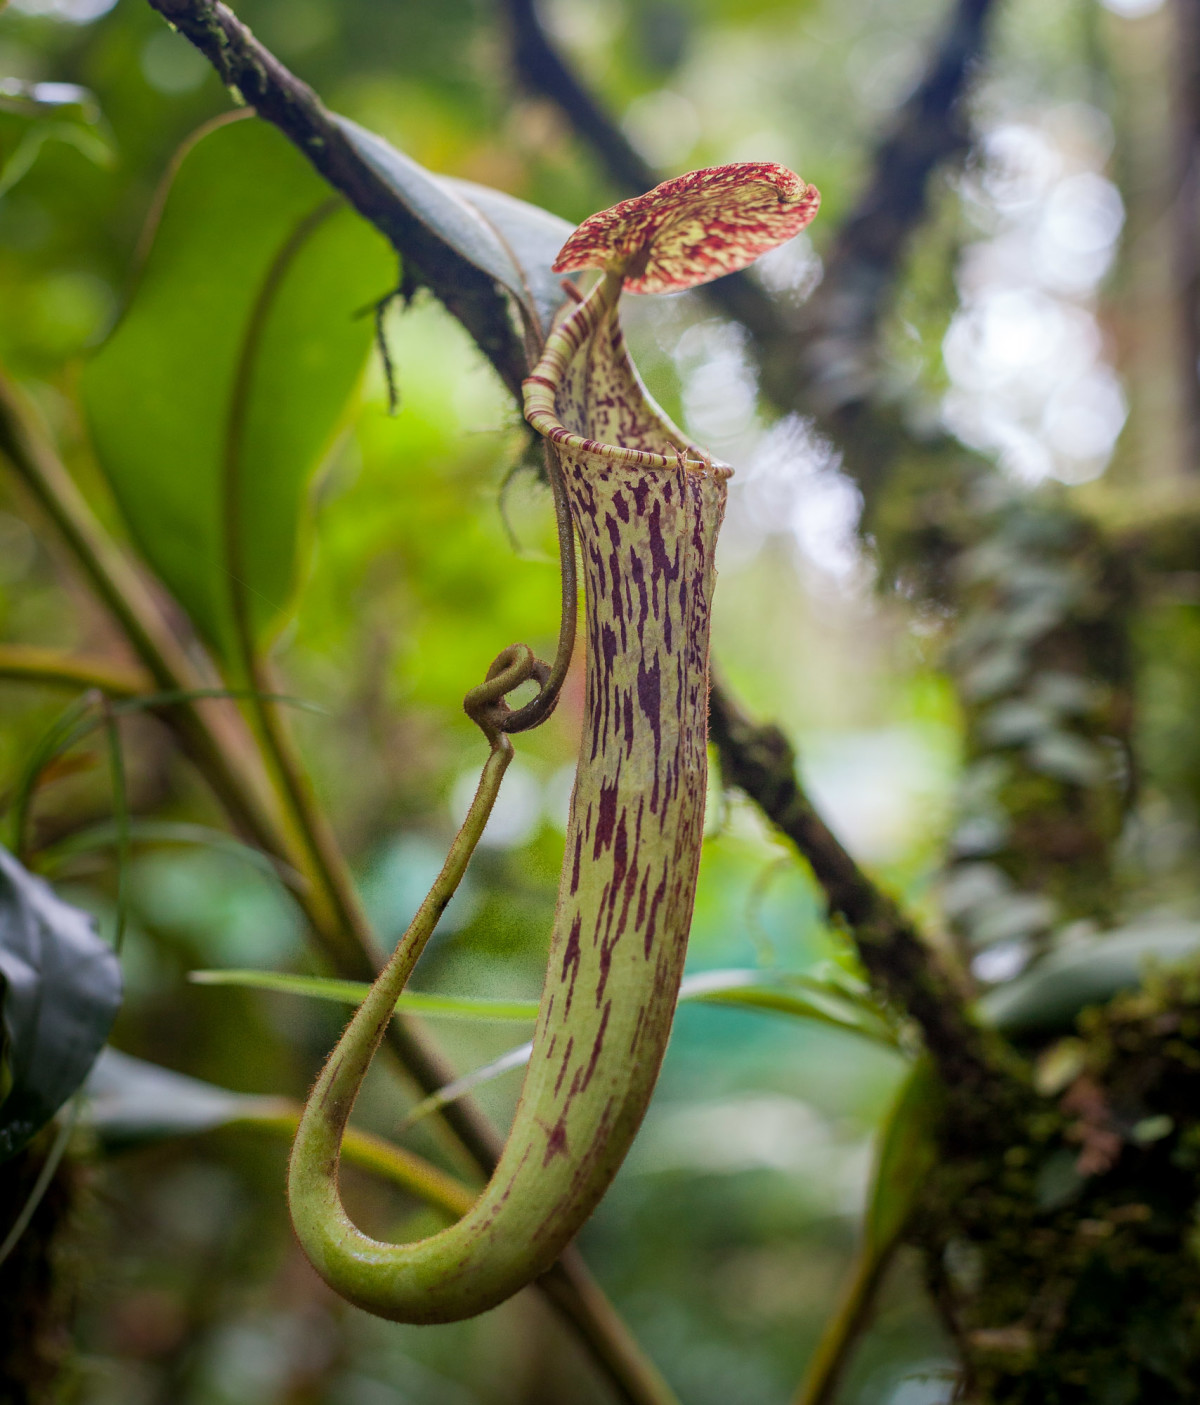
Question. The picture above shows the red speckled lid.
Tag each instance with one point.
(694, 228)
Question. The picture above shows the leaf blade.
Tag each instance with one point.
(160, 394)
(414, 1002)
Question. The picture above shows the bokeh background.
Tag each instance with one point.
(1029, 324)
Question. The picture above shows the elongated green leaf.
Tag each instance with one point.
(61, 988)
(451, 1092)
(827, 1002)
(787, 993)
(511, 240)
(780, 991)
(1047, 999)
(222, 388)
(32, 114)
(129, 1101)
(446, 1007)
(907, 1152)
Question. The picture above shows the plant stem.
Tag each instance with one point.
(27, 664)
(828, 1362)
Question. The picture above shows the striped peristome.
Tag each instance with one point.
(646, 507)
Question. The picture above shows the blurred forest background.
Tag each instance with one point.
(958, 570)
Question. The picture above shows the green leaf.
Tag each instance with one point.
(780, 991)
(907, 1152)
(783, 992)
(788, 993)
(451, 1092)
(129, 1102)
(1047, 999)
(511, 240)
(32, 114)
(831, 1001)
(446, 1007)
(224, 385)
(61, 988)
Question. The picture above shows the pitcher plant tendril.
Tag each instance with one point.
(646, 505)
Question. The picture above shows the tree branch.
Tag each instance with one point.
(903, 968)
(254, 74)
(544, 72)
(929, 130)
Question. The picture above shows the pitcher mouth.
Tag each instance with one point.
(542, 387)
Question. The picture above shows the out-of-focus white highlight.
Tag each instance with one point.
(1024, 353)
(1132, 9)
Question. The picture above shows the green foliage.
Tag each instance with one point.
(1047, 999)
(33, 114)
(449, 1007)
(811, 997)
(222, 388)
(907, 1153)
(131, 1100)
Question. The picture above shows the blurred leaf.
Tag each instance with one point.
(141, 832)
(61, 992)
(71, 726)
(221, 390)
(780, 991)
(907, 1153)
(511, 240)
(827, 1001)
(448, 1007)
(451, 1092)
(36, 113)
(1047, 999)
(130, 1100)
